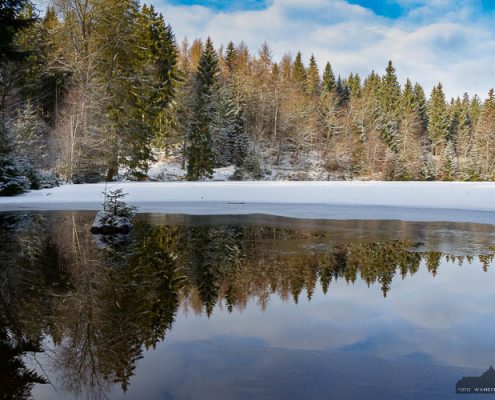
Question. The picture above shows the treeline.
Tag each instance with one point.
(101, 87)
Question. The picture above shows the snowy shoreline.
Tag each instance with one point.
(410, 201)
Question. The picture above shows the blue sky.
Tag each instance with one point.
(387, 8)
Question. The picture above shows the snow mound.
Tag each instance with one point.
(108, 224)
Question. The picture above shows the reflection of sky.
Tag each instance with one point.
(446, 317)
(423, 329)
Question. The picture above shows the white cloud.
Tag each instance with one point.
(440, 40)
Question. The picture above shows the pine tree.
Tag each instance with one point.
(328, 83)
(200, 153)
(438, 123)
(313, 77)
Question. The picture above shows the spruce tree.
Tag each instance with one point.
(153, 79)
(231, 57)
(485, 137)
(12, 179)
(448, 170)
(299, 75)
(389, 98)
(438, 123)
(200, 154)
(421, 104)
(231, 141)
(328, 83)
(465, 128)
(313, 77)
(390, 92)
(342, 92)
(354, 82)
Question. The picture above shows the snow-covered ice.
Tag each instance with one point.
(414, 201)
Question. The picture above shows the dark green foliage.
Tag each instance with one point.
(11, 22)
(114, 204)
(354, 83)
(200, 150)
(313, 77)
(231, 57)
(231, 139)
(390, 93)
(328, 83)
(438, 122)
(421, 104)
(299, 74)
(13, 179)
(342, 92)
(147, 85)
(16, 380)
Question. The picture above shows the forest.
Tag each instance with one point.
(100, 90)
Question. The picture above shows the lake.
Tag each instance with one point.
(243, 307)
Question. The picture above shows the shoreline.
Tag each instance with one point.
(408, 201)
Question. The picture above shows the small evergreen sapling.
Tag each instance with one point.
(115, 205)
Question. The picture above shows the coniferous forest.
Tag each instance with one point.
(99, 90)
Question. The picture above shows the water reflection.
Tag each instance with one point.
(101, 304)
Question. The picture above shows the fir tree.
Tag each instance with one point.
(200, 153)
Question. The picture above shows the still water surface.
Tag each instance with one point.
(248, 307)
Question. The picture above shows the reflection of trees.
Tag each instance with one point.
(114, 312)
(20, 300)
(101, 305)
(16, 380)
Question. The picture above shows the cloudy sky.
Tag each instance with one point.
(452, 41)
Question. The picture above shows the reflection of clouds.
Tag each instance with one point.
(446, 317)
